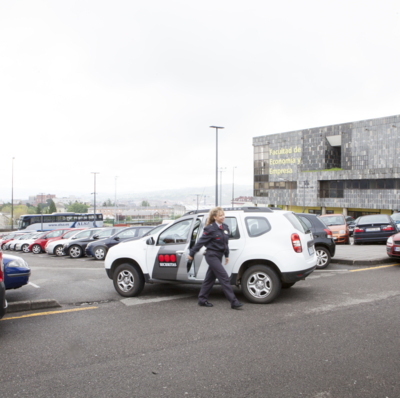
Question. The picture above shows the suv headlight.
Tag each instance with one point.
(19, 263)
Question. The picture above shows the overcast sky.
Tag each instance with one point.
(130, 88)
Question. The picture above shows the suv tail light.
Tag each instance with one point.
(358, 230)
(296, 243)
(328, 233)
(388, 228)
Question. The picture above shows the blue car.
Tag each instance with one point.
(16, 272)
(99, 248)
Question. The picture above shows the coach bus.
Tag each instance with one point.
(48, 222)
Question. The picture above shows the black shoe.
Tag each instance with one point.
(205, 304)
(237, 306)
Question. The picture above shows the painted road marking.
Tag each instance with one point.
(137, 301)
(49, 313)
(32, 284)
(369, 268)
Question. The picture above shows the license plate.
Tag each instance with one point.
(311, 250)
(397, 249)
(372, 229)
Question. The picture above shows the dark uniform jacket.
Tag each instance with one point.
(214, 239)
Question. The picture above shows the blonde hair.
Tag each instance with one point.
(214, 213)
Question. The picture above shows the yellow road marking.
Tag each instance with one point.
(49, 313)
(369, 268)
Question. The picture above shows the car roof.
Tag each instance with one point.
(229, 209)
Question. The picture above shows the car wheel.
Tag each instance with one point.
(260, 284)
(3, 247)
(75, 251)
(25, 248)
(100, 253)
(36, 249)
(287, 285)
(323, 257)
(58, 251)
(128, 281)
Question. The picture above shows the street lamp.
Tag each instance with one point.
(94, 172)
(12, 195)
(221, 170)
(115, 201)
(233, 184)
(216, 164)
(290, 182)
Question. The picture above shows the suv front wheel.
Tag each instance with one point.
(260, 284)
(128, 281)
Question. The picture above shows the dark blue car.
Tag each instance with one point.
(99, 248)
(16, 272)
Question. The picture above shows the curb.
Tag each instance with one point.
(19, 306)
(365, 263)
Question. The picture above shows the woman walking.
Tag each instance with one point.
(215, 239)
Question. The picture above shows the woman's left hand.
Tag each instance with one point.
(226, 261)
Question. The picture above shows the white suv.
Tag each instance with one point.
(269, 250)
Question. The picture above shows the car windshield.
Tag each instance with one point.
(333, 220)
(375, 219)
(155, 230)
(396, 216)
(69, 234)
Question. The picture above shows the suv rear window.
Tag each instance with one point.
(297, 223)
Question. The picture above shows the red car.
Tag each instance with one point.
(38, 245)
(393, 246)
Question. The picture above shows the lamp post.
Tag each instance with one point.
(115, 201)
(216, 164)
(233, 184)
(12, 195)
(221, 170)
(290, 182)
(94, 172)
(41, 210)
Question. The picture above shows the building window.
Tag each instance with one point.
(331, 189)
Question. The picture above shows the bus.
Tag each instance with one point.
(48, 222)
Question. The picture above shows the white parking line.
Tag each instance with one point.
(32, 284)
(137, 301)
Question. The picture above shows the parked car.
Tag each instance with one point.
(3, 301)
(351, 226)
(75, 247)
(396, 218)
(39, 244)
(9, 237)
(24, 244)
(17, 271)
(10, 245)
(56, 246)
(349, 219)
(99, 248)
(374, 228)
(325, 246)
(393, 246)
(268, 250)
(338, 225)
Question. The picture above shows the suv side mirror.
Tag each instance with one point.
(150, 241)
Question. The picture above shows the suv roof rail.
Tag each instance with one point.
(244, 209)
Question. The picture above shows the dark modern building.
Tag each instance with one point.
(351, 168)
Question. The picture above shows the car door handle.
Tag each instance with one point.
(232, 250)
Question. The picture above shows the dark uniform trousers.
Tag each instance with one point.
(216, 270)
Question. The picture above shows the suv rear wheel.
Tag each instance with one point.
(128, 281)
(260, 284)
